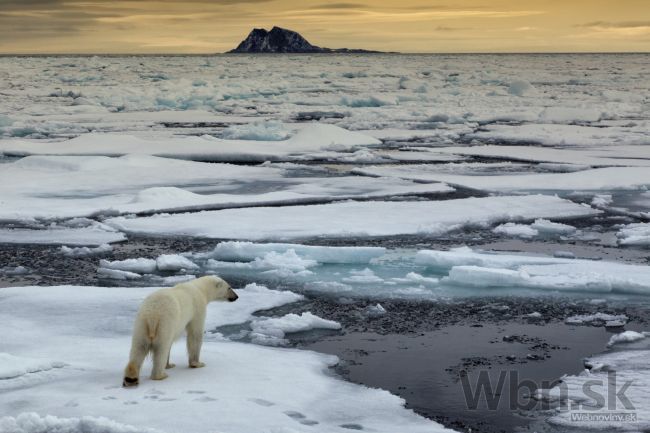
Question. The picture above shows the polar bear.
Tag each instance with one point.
(162, 318)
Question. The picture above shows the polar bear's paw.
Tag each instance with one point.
(197, 364)
(130, 381)
(170, 365)
(160, 376)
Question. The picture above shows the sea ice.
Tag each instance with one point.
(308, 138)
(12, 366)
(516, 230)
(174, 262)
(85, 251)
(58, 235)
(140, 265)
(623, 370)
(354, 218)
(596, 318)
(254, 394)
(634, 234)
(609, 178)
(626, 337)
(271, 330)
(249, 251)
(484, 270)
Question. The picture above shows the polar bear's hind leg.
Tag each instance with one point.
(139, 351)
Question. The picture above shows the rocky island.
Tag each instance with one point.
(279, 40)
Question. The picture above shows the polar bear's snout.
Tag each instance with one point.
(232, 296)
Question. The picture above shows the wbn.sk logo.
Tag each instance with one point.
(597, 394)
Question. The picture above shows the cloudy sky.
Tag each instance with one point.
(208, 26)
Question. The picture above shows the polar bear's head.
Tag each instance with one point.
(217, 289)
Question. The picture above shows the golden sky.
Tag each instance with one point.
(208, 26)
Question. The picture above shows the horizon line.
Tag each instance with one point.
(179, 54)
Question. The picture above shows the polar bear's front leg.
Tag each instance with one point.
(194, 342)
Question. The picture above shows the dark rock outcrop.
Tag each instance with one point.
(280, 40)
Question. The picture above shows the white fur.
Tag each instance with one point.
(162, 318)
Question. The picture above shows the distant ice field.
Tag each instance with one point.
(372, 177)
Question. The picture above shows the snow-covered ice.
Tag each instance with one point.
(626, 337)
(612, 390)
(488, 270)
(309, 138)
(610, 178)
(271, 330)
(53, 187)
(85, 251)
(354, 218)
(174, 262)
(57, 235)
(243, 386)
(249, 251)
(634, 234)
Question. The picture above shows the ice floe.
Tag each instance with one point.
(309, 138)
(611, 394)
(58, 235)
(634, 234)
(243, 386)
(271, 330)
(85, 251)
(354, 218)
(484, 270)
(53, 187)
(626, 337)
(609, 178)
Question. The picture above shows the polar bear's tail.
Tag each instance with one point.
(152, 328)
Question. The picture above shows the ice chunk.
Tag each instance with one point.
(271, 130)
(376, 310)
(634, 234)
(11, 271)
(85, 251)
(369, 101)
(354, 218)
(248, 251)
(601, 200)
(273, 329)
(117, 274)
(139, 265)
(474, 269)
(521, 88)
(173, 262)
(364, 276)
(252, 298)
(549, 228)
(466, 256)
(597, 319)
(415, 278)
(517, 230)
(626, 337)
